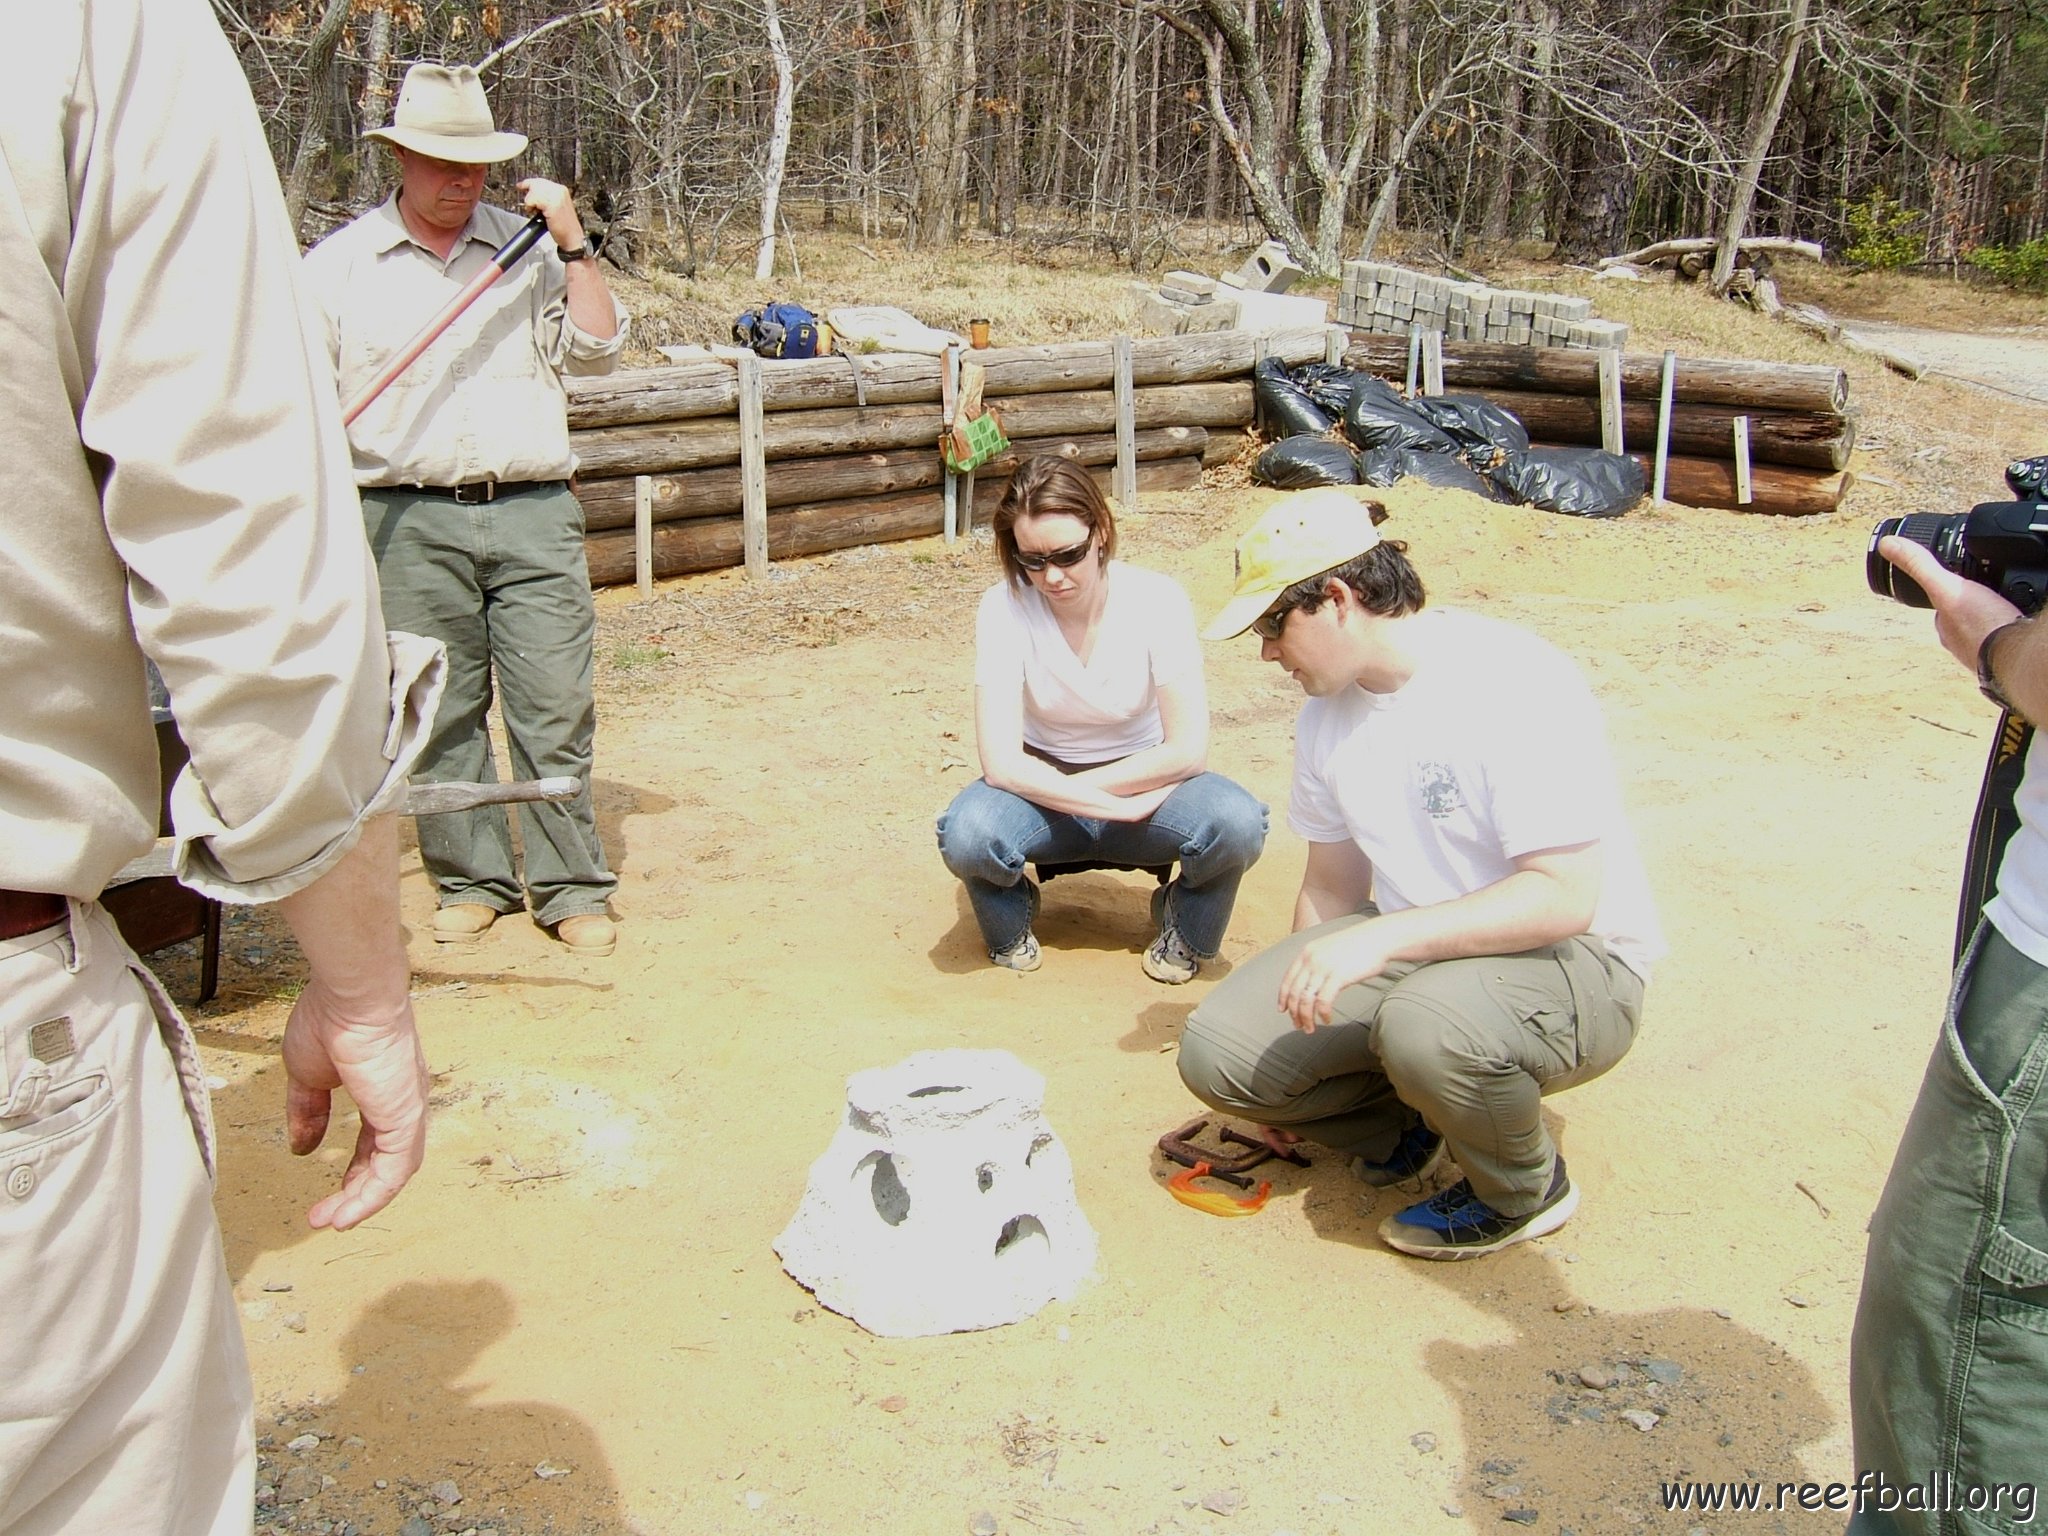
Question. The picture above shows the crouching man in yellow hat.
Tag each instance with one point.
(1474, 929)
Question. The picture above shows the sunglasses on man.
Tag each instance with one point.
(1066, 558)
(1268, 625)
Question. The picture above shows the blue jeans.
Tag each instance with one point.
(1211, 826)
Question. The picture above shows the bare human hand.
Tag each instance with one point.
(353, 1028)
(554, 202)
(384, 1071)
(1964, 611)
(1325, 967)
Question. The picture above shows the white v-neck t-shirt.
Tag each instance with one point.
(1108, 708)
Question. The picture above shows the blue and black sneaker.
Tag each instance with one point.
(1415, 1157)
(1455, 1223)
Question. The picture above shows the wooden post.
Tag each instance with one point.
(1414, 356)
(949, 398)
(1333, 345)
(1432, 362)
(643, 534)
(753, 470)
(1610, 399)
(1742, 489)
(1663, 424)
(1126, 479)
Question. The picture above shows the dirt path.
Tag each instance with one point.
(2011, 361)
(573, 1321)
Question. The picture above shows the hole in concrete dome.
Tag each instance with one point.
(885, 1187)
(985, 1176)
(1024, 1237)
(925, 1093)
(1038, 1144)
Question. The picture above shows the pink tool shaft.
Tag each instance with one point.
(501, 263)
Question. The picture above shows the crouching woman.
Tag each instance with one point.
(1093, 726)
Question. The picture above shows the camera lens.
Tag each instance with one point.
(1931, 531)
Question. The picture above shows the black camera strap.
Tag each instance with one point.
(1996, 820)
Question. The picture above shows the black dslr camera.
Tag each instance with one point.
(2002, 545)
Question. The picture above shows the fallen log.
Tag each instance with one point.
(1776, 245)
(688, 391)
(1774, 488)
(608, 503)
(711, 543)
(606, 452)
(1576, 371)
(1808, 439)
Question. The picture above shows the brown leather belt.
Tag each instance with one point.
(26, 911)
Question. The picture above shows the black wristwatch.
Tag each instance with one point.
(1987, 682)
(581, 252)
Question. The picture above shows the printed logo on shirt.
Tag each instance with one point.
(1439, 785)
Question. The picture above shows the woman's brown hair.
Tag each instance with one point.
(1046, 485)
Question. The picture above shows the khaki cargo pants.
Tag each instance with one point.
(124, 1392)
(1472, 1046)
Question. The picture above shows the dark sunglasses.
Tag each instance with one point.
(1268, 625)
(1072, 555)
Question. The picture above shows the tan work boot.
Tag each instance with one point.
(463, 922)
(588, 933)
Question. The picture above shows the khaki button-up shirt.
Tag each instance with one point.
(485, 401)
(179, 480)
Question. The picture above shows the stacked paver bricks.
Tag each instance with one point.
(1378, 296)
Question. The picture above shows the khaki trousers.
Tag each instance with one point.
(124, 1392)
(1471, 1046)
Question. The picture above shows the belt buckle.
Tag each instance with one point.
(476, 492)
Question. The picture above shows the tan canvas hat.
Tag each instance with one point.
(443, 112)
(1299, 536)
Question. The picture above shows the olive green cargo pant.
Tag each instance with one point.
(1470, 1045)
(1948, 1364)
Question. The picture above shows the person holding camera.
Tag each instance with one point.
(1948, 1360)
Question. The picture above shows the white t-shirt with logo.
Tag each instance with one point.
(1109, 708)
(1493, 749)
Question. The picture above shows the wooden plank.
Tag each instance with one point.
(949, 399)
(753, 471)
(1334, 344)
(710, 389)
(1610, 399)
(1739, 382)
(1414, 358)
(1432, 361)
(1742, 487)
(715, 492)
(1126, 428)
(643, 534)
(1663, 425)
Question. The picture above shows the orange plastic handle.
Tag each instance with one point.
(1182, 1187)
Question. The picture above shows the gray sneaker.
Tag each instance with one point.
(1170, 960)
(1020, 956)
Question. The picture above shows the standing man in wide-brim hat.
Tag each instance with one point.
(463, 464)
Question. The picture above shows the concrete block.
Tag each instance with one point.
(1189, 282)
(1229, 280)
(944, 1203)
(1279, 311)
(1269, 269)
(1216, 315)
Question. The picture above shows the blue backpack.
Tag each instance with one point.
(778, 330)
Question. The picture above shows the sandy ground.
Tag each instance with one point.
(573, 1321)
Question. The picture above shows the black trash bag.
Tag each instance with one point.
(1297, 463)
(1582, 481)
(1475, 424)
(1283, 407)
(1331, 385)
(1379, 418)
(1386, 465)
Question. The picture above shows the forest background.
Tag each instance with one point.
(1900, 134)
